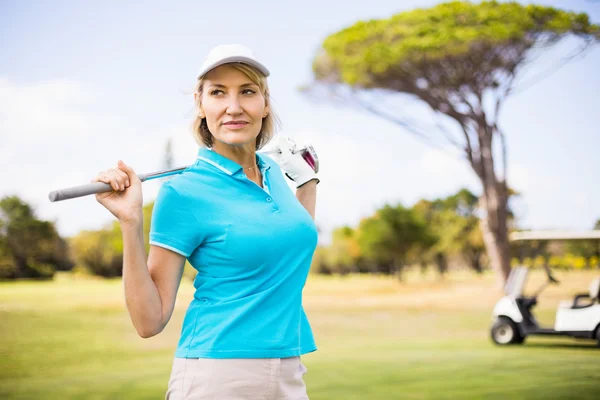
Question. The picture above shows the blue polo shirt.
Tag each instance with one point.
(252, 248)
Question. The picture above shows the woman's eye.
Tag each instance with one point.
(248, 91)
(216, 92)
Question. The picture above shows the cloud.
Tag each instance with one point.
(522, 178)
(447, 167)
(54, 136)
(549, 200)
(41, 112)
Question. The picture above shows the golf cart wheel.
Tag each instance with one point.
(504, 331)
(598, 335)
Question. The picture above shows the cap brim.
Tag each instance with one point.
(236, 59)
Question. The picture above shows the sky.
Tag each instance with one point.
(84, 84)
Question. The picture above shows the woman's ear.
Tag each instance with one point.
(266, 112)
(200, 111)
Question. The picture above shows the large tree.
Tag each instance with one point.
(461, 59)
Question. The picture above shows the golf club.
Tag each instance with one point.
(308, 153)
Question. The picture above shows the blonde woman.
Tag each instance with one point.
(232, 215)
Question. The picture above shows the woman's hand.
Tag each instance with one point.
(125, 201)
(292, 163)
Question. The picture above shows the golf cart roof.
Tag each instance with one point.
(554, 235)
(518, 275)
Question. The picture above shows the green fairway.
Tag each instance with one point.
(378, 339)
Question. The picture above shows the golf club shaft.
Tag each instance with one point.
(101, 187)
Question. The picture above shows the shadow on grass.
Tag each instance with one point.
(588, 346)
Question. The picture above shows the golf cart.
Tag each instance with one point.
(513, 319)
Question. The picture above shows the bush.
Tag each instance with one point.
(8, 269)
(98, 252)
(40, 269)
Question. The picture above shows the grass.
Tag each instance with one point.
(378, 339)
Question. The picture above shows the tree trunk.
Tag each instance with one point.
(423, 267)
(441, 263)
(497, 247)
(472, 257)
(495, 204)
(398, 266)
(475, 261)
(494, 228)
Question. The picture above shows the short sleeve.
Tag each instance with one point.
(173, 225)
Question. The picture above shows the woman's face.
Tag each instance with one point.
(233, 106)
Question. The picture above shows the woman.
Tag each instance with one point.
(232, 215)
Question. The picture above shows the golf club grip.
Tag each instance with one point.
(79, 191)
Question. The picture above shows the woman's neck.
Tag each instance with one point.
(243, 155)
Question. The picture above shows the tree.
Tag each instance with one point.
(342, 256)
(101, 251)
(391, 237)
(460, 213)
(460, 59)
(168, 162)
(453, 221)
(29, 247)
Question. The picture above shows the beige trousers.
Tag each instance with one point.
(237, 379)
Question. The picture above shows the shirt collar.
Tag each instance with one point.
(226, 165)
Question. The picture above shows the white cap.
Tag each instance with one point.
(230, 53)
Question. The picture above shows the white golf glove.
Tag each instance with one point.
(291, 161)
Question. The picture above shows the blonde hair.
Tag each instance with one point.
(270, 123)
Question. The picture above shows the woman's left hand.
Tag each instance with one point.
(292, 163)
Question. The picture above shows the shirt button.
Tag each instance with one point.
(269, 199)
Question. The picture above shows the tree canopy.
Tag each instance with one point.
(461, 59)
(477, 41)
(29, 247)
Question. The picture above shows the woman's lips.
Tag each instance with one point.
(235, 124)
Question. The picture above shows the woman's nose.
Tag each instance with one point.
(234, 107)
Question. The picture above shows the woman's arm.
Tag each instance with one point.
(150, 287)
(307, 196)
